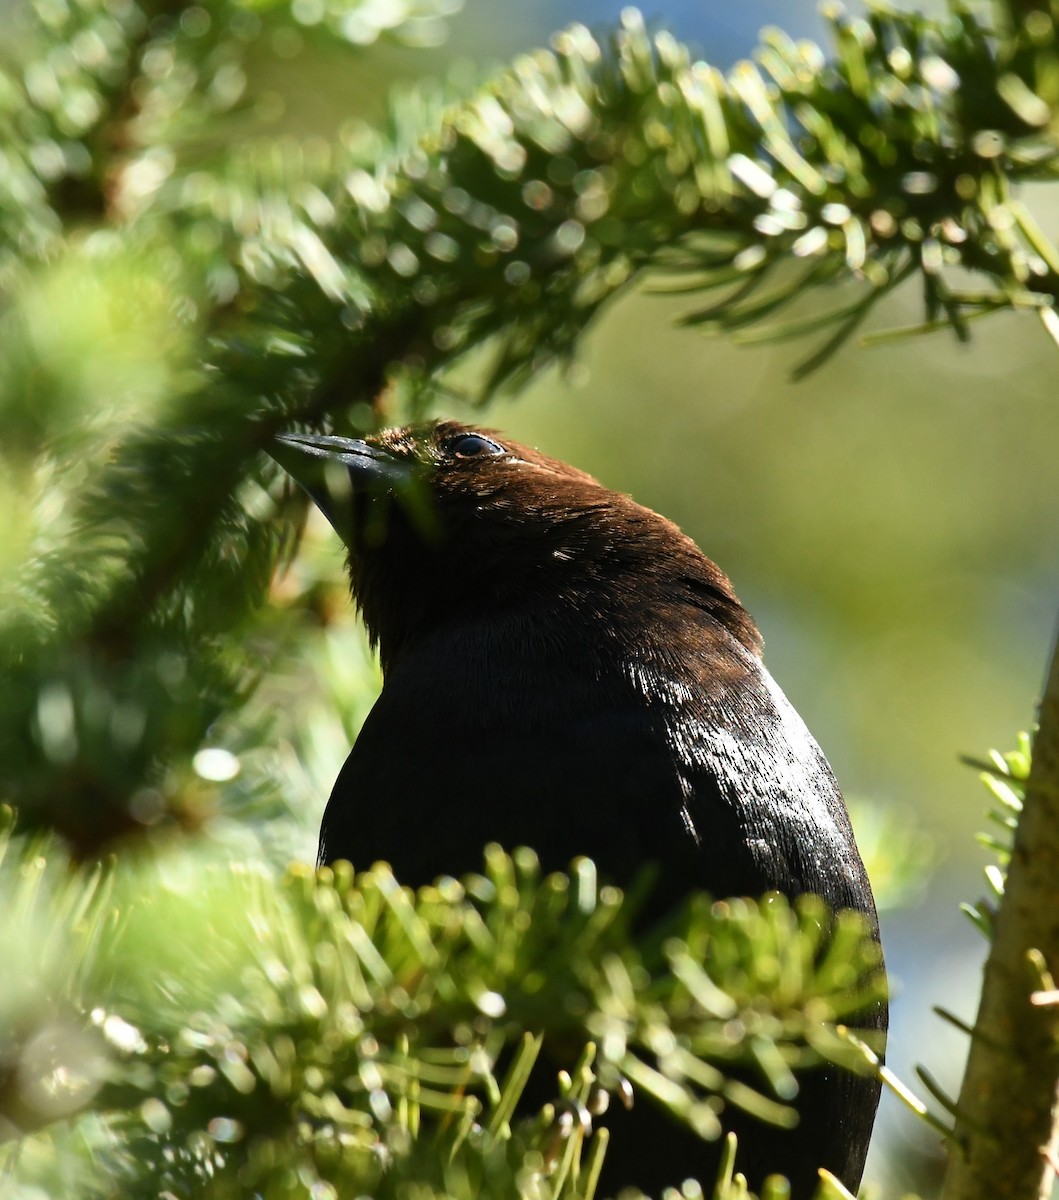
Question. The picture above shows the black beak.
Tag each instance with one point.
(332, 470)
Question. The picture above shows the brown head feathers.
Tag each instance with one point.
(444, 521)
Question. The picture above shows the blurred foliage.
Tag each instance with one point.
(175, 286)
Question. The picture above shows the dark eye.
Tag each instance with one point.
(474, 445)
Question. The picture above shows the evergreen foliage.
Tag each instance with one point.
(344, 1035)
(179, 1017)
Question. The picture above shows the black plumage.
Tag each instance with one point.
(565, 669)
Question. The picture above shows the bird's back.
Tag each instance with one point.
(517, 735)
(515, 732)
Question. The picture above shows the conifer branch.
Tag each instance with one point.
(356, 1032)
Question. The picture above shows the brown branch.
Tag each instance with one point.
(1008, 1111)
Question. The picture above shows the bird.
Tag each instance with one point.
(565, 669)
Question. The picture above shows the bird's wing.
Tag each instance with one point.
(747, 752)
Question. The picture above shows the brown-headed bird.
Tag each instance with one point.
(565, 669)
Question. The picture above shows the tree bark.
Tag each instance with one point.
(1008, 1123)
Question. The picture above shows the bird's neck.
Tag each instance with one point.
(569, 593)
(591, 632)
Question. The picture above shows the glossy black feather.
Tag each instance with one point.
(565, 669)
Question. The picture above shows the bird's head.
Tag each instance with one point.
(445, 523)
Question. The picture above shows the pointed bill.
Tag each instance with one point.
(332, 470)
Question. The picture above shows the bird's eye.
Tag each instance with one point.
(474, 445)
